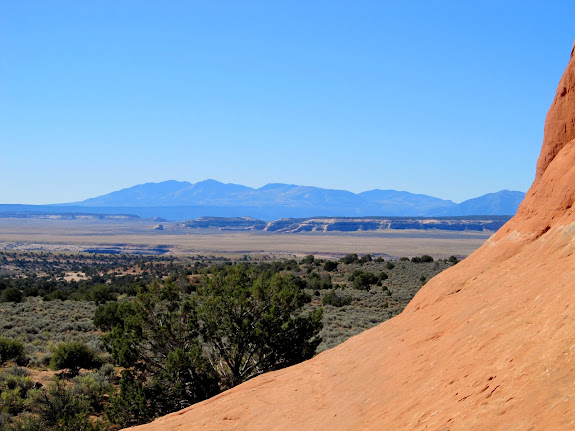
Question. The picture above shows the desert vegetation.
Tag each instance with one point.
(97, 341)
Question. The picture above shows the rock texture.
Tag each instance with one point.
(487, 345)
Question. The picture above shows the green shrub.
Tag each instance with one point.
(94, 386)
(336, 300)
(356, 273)
(453, 260)
(11, 295)
(308, 260)
(11, 350)
(365, 259)
(14, 389)
(63, 409)
(423, 259)
(364, 280)
(389, 265)
(330, 265)
(73, 356)
(26, 423)
(316, 281)
(350, 258)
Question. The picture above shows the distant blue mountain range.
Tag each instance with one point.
(181, 200)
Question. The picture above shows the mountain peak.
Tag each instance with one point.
(209, 181)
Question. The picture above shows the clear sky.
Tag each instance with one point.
(446, 98)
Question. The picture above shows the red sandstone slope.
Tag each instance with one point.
(487, 345)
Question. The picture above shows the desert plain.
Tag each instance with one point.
(139, 236)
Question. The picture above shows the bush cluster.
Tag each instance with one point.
(61, 405)
(316, 281)
(335, 299)
(423, 259)
(363, 280)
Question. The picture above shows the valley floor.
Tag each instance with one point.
(139, 236)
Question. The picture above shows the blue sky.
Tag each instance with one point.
(446, 98)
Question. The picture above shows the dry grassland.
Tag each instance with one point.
(78, 235)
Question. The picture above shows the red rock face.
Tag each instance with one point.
(486, 345)
(559, 124)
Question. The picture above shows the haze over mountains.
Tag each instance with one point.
(178, 200)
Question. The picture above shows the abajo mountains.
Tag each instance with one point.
(181, 200)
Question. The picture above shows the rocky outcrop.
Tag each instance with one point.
(350, 224)
(363, 224)
(487, 345)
